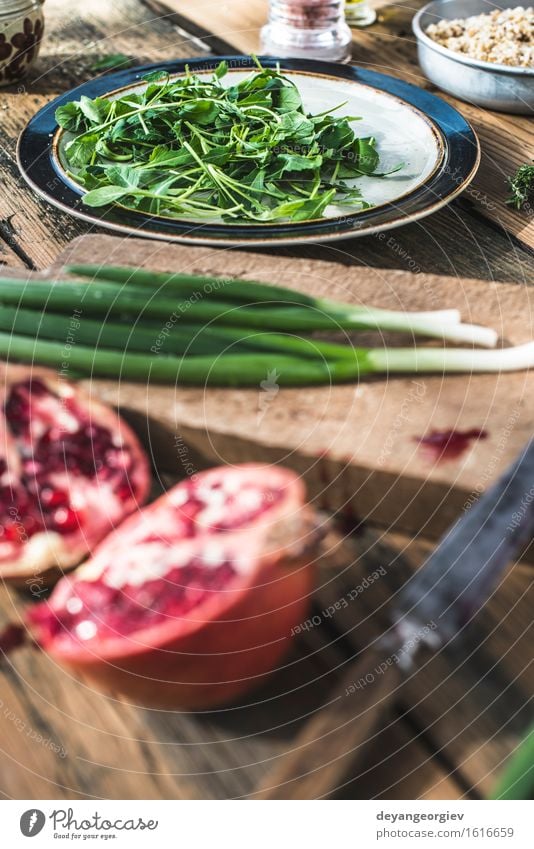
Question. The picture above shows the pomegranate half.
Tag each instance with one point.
(70, 471)
(193, 599)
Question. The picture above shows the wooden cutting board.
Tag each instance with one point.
(357, 446)
(388, 46)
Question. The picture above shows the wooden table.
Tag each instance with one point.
(460, 715)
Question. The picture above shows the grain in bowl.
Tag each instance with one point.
(503, 36)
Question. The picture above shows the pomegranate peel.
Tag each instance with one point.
(192, 601)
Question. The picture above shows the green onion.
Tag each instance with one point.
(227, 370)
(251, 292)
(184, 339)
(193, 284)
(106, 297)
(249, 369)
(517, 780)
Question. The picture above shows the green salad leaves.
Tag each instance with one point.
(193, 147)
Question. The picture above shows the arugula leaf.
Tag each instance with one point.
(288, 99)
(95, 110)
(200, 111)
(297, 127)
(70, 117)
(155, 76)
(125, 176)
(104, 195)
(80, 151)
(335, 133)
(296, 162)
(221, 70)
(367, 156)
(304, 210)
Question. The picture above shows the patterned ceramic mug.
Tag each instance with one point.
(21, 30)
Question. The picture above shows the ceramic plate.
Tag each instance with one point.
(437, 146)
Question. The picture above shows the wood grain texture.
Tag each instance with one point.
(389, 46)
(465, 699)
(357, 446)
(333, 741)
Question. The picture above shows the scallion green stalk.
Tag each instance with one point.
(106, 297)
(430, 323)
(227, 370)
(183, 339)
(249, 369)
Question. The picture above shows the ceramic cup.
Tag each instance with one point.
(21, 30)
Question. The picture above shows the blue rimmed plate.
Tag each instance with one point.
(437, 146)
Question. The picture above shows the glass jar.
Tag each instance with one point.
(21, 30)
(309, 29)
(359, 14)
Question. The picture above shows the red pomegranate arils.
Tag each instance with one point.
(98, 611)
(71, 471)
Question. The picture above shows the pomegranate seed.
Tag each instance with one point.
(65, 519)
(36, 387)
(124, 492)
(6, 495)
(31, 525)
(53, 497)
(13, 532)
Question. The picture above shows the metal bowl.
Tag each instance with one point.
(501, 87)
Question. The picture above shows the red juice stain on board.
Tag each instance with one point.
(11, 638)
(442, 445)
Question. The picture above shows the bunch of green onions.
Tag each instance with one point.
(199, 330)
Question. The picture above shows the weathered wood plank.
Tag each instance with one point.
(10, 257)
(60, 739)
(389, 46)
(396, 764)
(467, 700)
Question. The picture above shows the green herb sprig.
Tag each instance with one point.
(521, 186)
(111, 62)
(194, 147)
